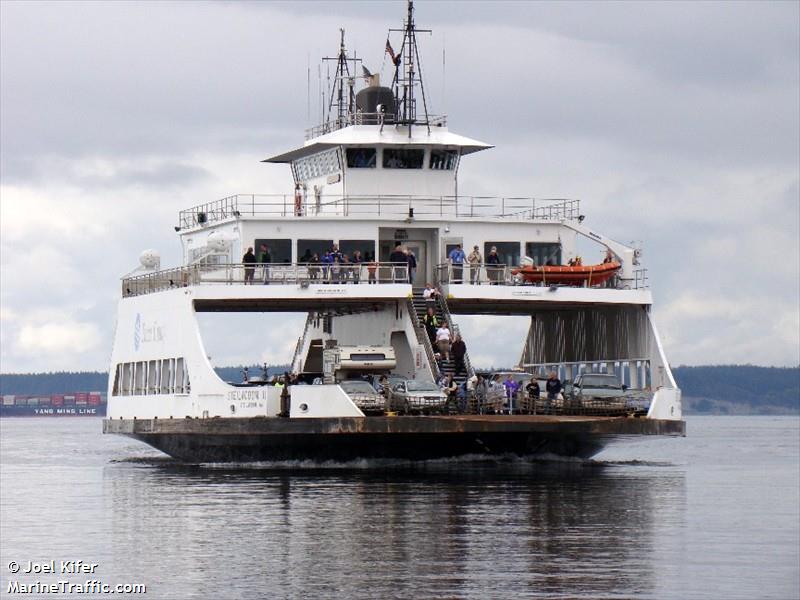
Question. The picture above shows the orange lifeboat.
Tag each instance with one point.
(590, 275)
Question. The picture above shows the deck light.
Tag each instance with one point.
(581, 218)
(177, 228)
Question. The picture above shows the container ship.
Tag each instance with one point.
(75, 404)
(376, 214)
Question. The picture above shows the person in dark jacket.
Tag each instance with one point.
(265, 258)
(412, 267)
(249, 261)
(493, 268)
(459, 350)
(398, 258)
(431, 324)
(553, 386)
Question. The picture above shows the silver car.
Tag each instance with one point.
(411, 395)
(364, 396)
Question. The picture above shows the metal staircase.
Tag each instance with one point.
(444, 367)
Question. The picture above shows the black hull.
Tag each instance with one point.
(405, 438)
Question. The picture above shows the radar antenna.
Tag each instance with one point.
(408, 74)
(343, 101)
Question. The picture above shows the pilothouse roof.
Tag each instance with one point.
(388, 135)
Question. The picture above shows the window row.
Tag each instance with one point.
(280, 250)
(508, 253)
(401, 158)
(317, 165)
(149, 377)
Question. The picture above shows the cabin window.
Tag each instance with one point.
(403, 158)
(366, 247)
(544, 254)
(160, 376)
(279, 249)
(507, 251)
(317, 165)
(361, 158)
(117, 380)
(443, 160)
(306, 249)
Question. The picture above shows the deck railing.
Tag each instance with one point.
(387, 206)
(258, 274)
(366, 118)
(483, 274)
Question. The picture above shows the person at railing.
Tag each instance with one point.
(459, 350)
(398, 258)
(474, 259)
(457, 258)
(443, 339)
(511, 388)
(357, 260)
(449, 386)
(327, 263)
(412, 265)
(313, 266)
(493, 268)
(298, 200)
(534, 393)
(372, 269)
(553, 388)
(609, 256)
(481, 391)
(249, 261)
(265, 258)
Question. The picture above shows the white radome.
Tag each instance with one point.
(150, 259)
(217, 241)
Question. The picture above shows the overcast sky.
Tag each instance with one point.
(676, 124)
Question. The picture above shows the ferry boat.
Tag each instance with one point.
(376, 182)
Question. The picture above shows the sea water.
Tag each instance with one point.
(713, 515)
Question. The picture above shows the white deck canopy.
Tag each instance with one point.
(390, 135)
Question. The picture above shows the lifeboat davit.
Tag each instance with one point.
(589, 275)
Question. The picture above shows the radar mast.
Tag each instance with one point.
(408, 74)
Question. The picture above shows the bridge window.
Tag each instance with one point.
(403, 158)
(366, 247)
(507, 251)
(316, 165)
(544, 254)
(306, 249)
(279, 249)
(443, 160)
(361, 158)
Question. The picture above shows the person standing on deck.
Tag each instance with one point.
(474, 259)
(511, 387)
(493, 266)
(457, 259)
(412, 266)
(398, 258)
(553, 387)
(265, 258)
(249, 261)
(459, 350)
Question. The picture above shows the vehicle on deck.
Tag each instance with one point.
(364, 396)
(417, 396)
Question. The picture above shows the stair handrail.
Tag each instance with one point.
(454, 328)
(301, 344)
(422, 338)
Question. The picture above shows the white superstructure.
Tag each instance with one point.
(372, 177)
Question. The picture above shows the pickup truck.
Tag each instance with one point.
(596, 385)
